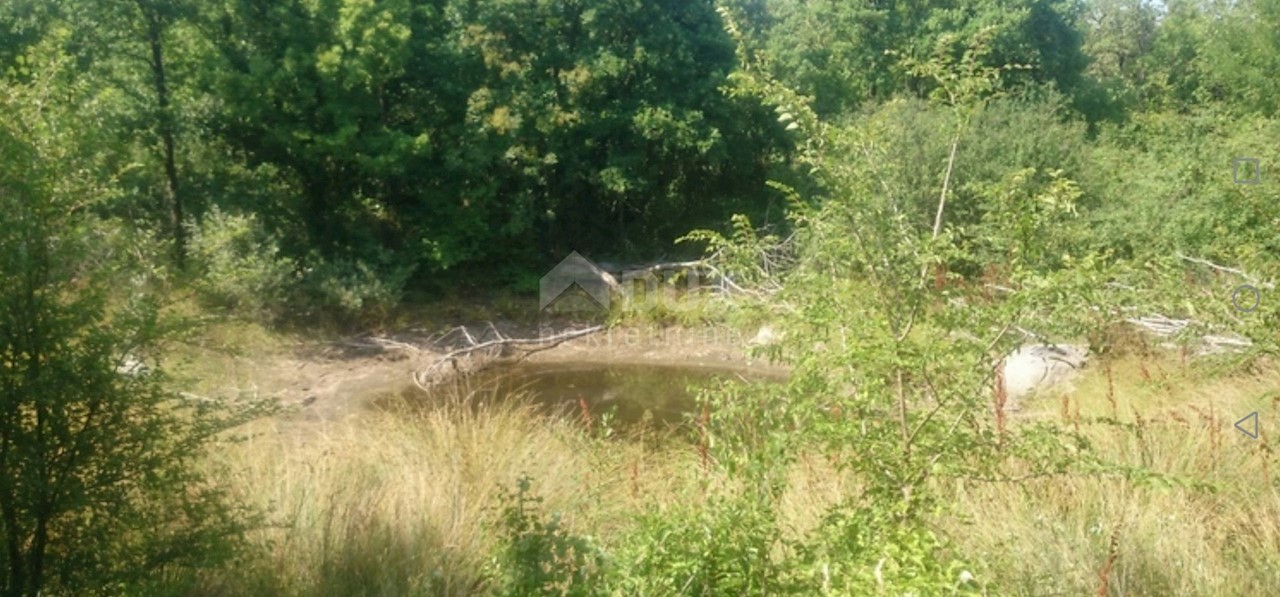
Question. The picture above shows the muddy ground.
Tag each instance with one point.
(327, 381)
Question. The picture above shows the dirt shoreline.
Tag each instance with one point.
(330, 381)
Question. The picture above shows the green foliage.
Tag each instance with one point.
(1119, 37)
(1184, 54)
(496, 133)
(738, 255)
(719, 547)
(1240, 54)
(860, 551)
(1014, 230)
(904, 147)
(100, 491)
(894, 345)
(540, 556)
(1171, 186)
(237, 264)
(842, 53)
(353, 289)
(941, 195)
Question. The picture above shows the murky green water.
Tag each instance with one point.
(633, 393)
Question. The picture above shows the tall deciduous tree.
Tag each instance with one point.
(1242, 55)
(127, 48)
(97, 490)
(156, 19)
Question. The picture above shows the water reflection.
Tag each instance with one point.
(633, 393)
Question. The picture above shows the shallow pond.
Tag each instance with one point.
(632, 392)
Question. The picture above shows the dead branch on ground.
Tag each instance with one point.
(494, 349)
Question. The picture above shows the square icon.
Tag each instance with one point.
(1250, 174)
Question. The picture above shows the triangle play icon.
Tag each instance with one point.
(1249, 425)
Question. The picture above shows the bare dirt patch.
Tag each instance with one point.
(332, 380)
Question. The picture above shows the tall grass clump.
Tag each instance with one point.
(1204, 523)
(408, 500)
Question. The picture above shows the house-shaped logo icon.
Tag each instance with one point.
(576, 275)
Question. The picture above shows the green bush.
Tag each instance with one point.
(903, 145)
(1165, 184)
(894, 352)
(351, 289)
(541, 557)
(865, 550)
(238, 265)
(721, 547)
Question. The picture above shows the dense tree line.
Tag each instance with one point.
(409, 143)
(416, 136)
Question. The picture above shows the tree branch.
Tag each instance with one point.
(535, 345)
(1225, 269)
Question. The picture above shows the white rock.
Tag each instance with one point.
(131, 366)
(1039, 366)
(765, 336)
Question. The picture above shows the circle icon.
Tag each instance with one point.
(1246, 289)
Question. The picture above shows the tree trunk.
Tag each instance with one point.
(173, 197)
(13, 540)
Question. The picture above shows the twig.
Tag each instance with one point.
(1229, 270)
(996, 340)
(946, 184)
(629, 275)
(198, 398)
(384, 343)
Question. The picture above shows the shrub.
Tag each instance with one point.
(1164, 184)
(893, 352)
(99, 491)
(238, 265)
(721, 547)
(352, 289)
(541, 557)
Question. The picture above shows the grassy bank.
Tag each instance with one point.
(407, 502)
(1213, 528)
(403, 501)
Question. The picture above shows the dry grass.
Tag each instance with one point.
(1056, 536)
(400, 502)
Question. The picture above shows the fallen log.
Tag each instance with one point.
(1167, 327)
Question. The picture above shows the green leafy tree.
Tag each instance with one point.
(504, 133)
(838, 52)
(1241, 54)
(1119, 38)
(337, 94)
(99, 492)
(133, 53)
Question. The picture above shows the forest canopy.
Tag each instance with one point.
(369, 148)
